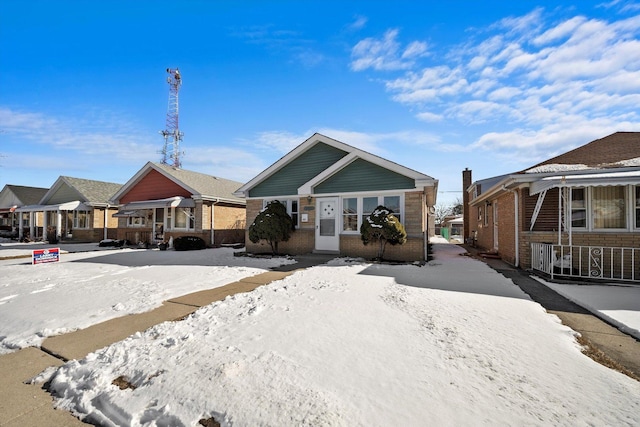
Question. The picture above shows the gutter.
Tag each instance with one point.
(516, 220)
(213, 208)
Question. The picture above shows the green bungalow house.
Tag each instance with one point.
(328, 188)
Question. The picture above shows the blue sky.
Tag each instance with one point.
(494, 86)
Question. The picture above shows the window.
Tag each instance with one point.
(356, 209)
(578, 208)
(637, 206)
(25, 219)
(350, 214)
(81, 219)
(608, 207)
(393, 203)
(369, 204)
(140, 219)
(184, 218)
(479, 214)
(292, 206)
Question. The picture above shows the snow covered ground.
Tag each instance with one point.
(347, 343)
(85, 288)
(618, 304)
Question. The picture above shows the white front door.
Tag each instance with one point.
(327, 235)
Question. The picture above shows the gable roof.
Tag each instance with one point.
(616, 150)
(88, 191)
(351, 154)
(200, 185)
(26, 195)
(589, 164)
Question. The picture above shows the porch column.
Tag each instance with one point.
(59, 225)
(44, 224)
(32, 223)
(20, 227)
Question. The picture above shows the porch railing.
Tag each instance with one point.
(592, 262)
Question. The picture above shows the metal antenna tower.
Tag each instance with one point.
(172, 135)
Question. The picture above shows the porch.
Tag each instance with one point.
(600, 263)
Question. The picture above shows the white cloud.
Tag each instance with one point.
(98, 135)
(358, 24)
(385, 54)
(429, 117)
(557, 82)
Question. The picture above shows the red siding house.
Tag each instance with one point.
(160, 202)
(575, 215)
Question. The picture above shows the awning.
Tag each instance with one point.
(7, 210)
(134, 209)
(127, 214)
(76, 205)
(586, 180)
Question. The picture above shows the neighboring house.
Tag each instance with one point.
(576, 214)
(13, 197)
(329, 187)
(452, 228)
(74, 209)
(160, 202)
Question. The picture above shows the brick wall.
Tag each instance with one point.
(613, 239)
(302, 240)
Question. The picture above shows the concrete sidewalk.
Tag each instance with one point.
(23, 405)
(620, 347)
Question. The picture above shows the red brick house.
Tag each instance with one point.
(328, 188)
(160, 202)
(576, 214)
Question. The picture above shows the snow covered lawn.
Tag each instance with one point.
(85, 288)
(351, 343)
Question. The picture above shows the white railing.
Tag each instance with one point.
(593, 262)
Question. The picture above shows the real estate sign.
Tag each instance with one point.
(41, 256)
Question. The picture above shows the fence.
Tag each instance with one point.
(592, 262)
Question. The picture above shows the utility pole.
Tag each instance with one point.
(172, 135)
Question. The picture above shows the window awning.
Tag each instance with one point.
(128, 213)
(586, 180)
(76, 205)
(7, 210)
(134, 209)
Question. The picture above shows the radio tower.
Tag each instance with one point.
(172, 135)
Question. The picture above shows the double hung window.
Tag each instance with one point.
(293, 208)
(81, 219)
(356, 209)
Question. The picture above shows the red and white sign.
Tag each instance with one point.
(41, 256)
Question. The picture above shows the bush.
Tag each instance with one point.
(272, 224)
(383, 227)
(188, 243)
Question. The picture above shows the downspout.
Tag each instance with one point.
(213, 220)
(425, 226)
(104, 234)
(516, 219)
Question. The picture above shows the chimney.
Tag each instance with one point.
(466, 183)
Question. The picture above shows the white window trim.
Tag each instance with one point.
(287, 201)
(190, 216)
(629, 211)
(634, 207)
(360, 209)
(75, 220)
